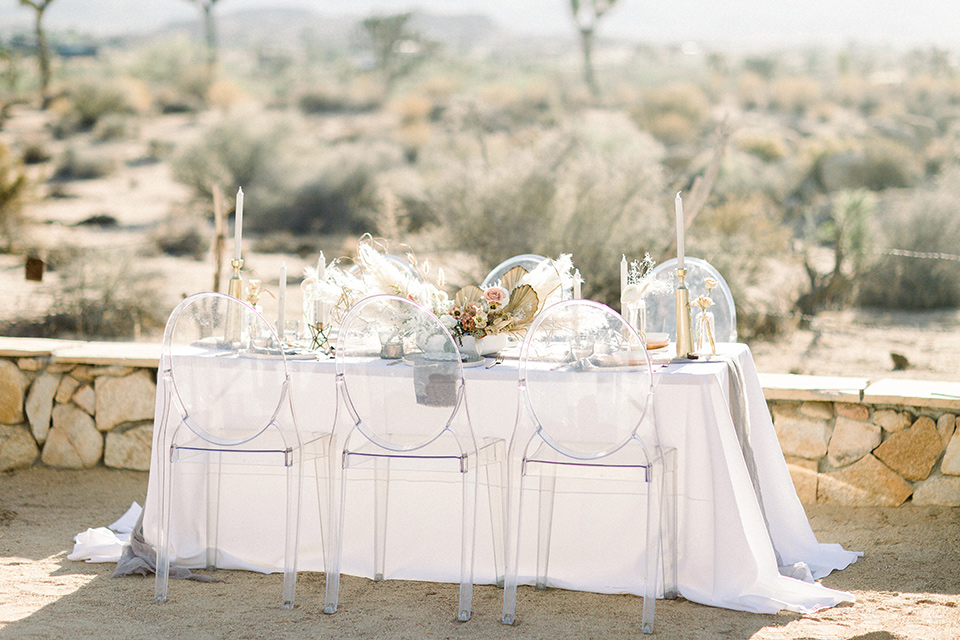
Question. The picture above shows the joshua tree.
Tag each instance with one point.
(396, 49)
(586, 14)
(210, 33)
(43, 51)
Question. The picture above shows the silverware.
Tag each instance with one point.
(496, 361)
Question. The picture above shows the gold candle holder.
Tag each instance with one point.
(684, 324)
(235, 289)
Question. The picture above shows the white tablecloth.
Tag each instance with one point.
(726, 542)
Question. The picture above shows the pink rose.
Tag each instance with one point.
(496, 295)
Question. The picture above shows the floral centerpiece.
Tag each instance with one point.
(473, 315)
(499, 310)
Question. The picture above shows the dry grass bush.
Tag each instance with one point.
(233, 153)
(336, 193)
(183, 238)
(564, 192)
(794, 94)
(505, 106)
(35, 153)
(685, 99)
(88, 103)
(115, 127)
(739, 235)
(874, 164)
(13, 191)
(321, 101)
(860, 93)
(673, 114)
(224, 94)
(767, 147)
(102, 296)
(936, 97)
(671, 128)
(83, 165)
(751, 91)
(925, 221)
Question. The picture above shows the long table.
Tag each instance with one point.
(739, 518)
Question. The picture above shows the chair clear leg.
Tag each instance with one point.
(668, 525)
(163, 528)
(336, 491)
(213, 470)
(292, 530)
(548, 486)
(468, 536)
(496, 481)
(652, 546)
(512, 547)
(381, 490)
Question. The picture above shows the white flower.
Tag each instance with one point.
(448, 321)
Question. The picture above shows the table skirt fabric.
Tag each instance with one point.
(729, 540)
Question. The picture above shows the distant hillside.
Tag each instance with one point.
(276, 26)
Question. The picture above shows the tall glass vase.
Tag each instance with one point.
(637, 317)
(706, 328)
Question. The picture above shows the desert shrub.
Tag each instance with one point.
(876, 164)
(338, 195)
(768, 148)
(925, 222)
(35, 153)
(857, 92)
(232, 153)
(671, 128)
(673, 114)
(13, 190)
(74, 165)
(102, 220)
(685, 99)
(794, 94)
(286, 243)
(751, 91)
(224, 94)
(114, 127)
(562, 193)
(184, 239)
(320, 101)
(101, 296)
(506, 106)
(88, 103)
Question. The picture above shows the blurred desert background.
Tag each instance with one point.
(818, 158)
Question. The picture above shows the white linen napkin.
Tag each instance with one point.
(105, 544)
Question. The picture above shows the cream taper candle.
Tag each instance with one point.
(238, 225)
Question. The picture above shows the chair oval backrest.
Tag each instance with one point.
(403, 407)
(528, 261)
(662, 309)
(586, 378)
(227, 368)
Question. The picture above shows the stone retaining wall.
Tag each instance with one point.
(846, 441)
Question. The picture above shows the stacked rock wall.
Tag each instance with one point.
(858, 454)
(846, 441)
(75, 416)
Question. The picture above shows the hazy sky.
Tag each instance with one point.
(737, 23)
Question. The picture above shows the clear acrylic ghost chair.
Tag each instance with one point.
(397, 419)
(586, 395)
(528, 261)
(227, 401)
(662, 309)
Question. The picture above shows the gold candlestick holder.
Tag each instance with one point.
(684, 324)
(234, 320)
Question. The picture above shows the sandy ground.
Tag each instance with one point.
(906, 585)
